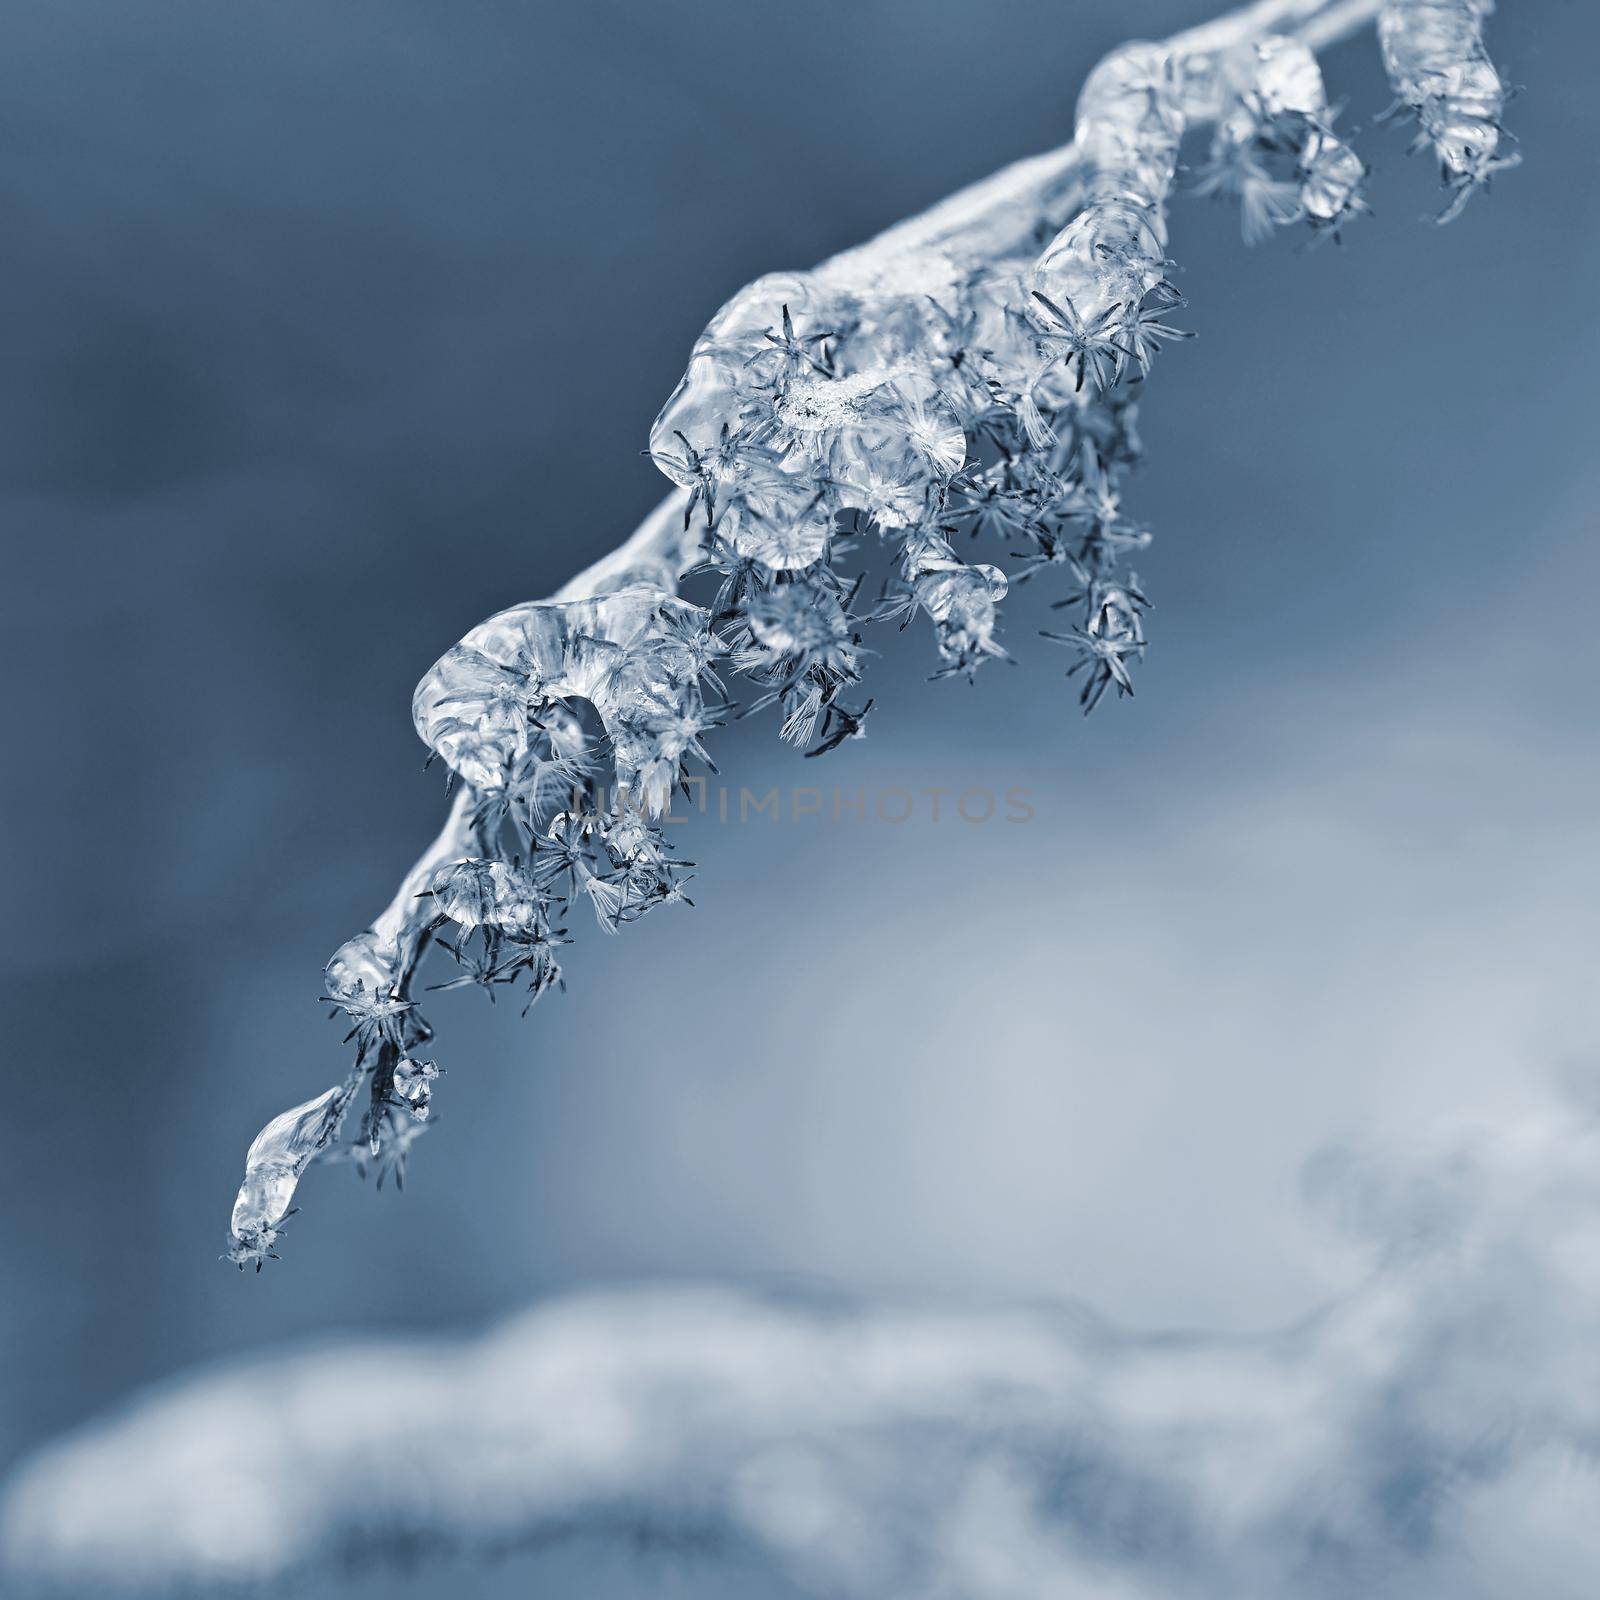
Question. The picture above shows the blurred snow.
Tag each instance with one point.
(1432, 1434)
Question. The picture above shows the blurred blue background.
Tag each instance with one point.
(330, 330)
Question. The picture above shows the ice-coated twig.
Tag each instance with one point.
(1429, 1436)
(970, 374)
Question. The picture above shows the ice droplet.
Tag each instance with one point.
(413, 1086)
(475, 894)
(358, 968)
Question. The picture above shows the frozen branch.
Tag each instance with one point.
(972, 371)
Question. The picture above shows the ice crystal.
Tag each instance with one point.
(973, 375)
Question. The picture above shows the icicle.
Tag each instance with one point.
(272, 1167)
